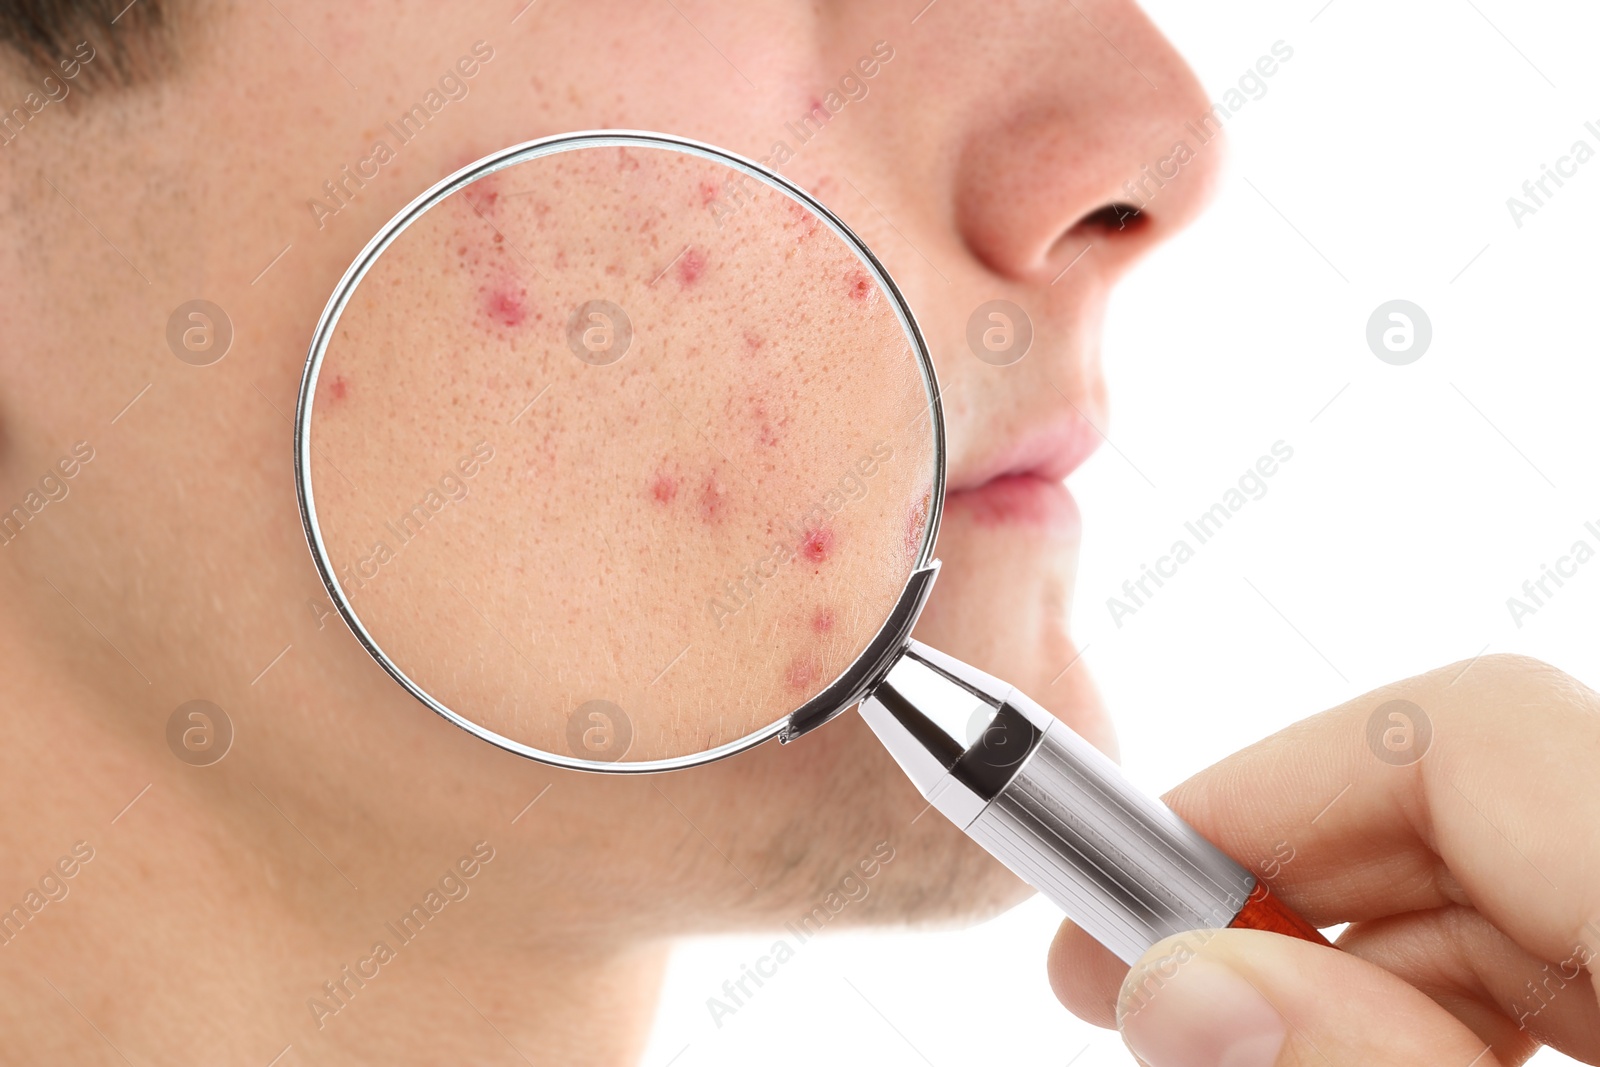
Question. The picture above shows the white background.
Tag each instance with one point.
(1417, 501)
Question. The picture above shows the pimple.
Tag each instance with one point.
(691, 266)
(753, 342)
(708, 193)
(817, 544)
(822, 621)
(339, 387)
(664, 489)
(506, 307)
(860, 285)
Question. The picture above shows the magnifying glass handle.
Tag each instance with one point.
(1058, 812)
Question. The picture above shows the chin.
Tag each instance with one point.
(1002, 602)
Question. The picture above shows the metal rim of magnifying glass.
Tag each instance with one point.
(835, 698)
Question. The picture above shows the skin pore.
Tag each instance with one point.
(979, 160)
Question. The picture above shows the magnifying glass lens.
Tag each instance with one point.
(617, 450)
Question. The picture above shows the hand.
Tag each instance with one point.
(1459, 836)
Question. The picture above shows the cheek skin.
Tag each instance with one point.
(801, 675)
(713, 500)
(691, 267)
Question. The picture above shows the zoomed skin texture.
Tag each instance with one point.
(505, 502)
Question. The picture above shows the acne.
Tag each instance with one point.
(691, 267)
(817, 544)
(708, 193)
(822, 621)
(506, 306)
(753, 342)
(860, 286)
(663, 489)
(339, 388)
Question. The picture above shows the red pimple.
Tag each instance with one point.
(817, 544)
(822, 621)
(505, 307)
(712, 499)
(753, 343)
(340, 389)
(664, 489)
(860, 285)
(708, 193)
(691, 266)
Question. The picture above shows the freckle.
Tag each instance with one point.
(801, 674)
(817, 544)
(691, 266)
(712, 499)
(822, 621)
(664, 489)
(861, 287)
(340, 389)
(506, 307)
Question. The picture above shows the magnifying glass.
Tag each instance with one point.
(624, 454)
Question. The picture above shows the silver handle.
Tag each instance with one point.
(1051, 806)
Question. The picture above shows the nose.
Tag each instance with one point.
(1105, 149)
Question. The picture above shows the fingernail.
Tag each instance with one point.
(1185, 1011)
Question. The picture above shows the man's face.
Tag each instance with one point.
(982, 152)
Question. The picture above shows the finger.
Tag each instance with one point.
(1244, 998)
(1502, 992)
(1491, 809)
(1085, 975)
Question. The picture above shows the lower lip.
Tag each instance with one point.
(1020, 501)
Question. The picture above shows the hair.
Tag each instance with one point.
(130, 36)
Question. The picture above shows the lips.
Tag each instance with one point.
(1018, 484)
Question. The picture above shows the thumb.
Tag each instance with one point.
(1245, 998)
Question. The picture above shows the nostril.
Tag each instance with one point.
(1112, 218)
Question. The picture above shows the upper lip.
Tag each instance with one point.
(1048, 450)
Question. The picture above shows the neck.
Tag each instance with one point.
(166, 910)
